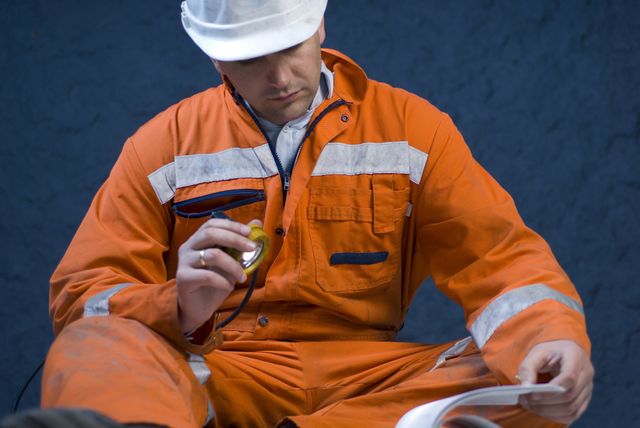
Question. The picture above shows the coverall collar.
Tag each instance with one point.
(350, 82)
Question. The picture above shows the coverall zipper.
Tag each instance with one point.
(308, 132)
(281, 172)
(285, 175)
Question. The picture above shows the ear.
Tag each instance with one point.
(321, 33)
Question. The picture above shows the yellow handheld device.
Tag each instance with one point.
(250, 260)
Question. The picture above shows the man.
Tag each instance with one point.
(364, 190)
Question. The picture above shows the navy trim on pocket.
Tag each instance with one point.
(250, 195)
(358, 258)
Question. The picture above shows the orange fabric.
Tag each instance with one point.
(136, 375)
(122, 369)
(463, 230)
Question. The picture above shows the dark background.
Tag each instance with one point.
(545, 92)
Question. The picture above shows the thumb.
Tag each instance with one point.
(531, 366)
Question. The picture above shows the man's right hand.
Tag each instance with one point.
(206, 275)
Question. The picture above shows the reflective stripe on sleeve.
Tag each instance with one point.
(163, 181)
(393, 157)
(417, 162)
(98, 305)
(228, 164)
(457, 349)
(511, 304)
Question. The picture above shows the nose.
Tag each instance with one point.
(277, 71)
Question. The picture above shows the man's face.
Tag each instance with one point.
(280, 86)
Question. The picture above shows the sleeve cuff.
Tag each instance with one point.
(156, 306)
(544, 322)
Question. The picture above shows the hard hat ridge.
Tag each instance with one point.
(230, 30)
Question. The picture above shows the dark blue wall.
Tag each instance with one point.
(546, 93)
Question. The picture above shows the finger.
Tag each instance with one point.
(217, 260)
(199, 281)
(582, 389)
(568, 373)
(564, 412)
(531, 366)
(228, 224)
(552, 365)
(559, 413)
(585, 402)
(214, 280)
(214, 236)
(570, 394)
(207, 278)
(539, 399)
(231, 278)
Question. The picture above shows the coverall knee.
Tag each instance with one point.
(123, 369)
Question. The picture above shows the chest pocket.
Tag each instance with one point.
(241, 205)
(356, 233)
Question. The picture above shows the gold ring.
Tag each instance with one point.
(202, 262)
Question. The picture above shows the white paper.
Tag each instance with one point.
(431, 415)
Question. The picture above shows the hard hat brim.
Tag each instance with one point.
(266, 38)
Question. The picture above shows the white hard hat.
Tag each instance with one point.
(232, 30)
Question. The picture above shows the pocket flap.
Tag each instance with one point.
(389, 204)
(204, 205)
(383, 204)
(370, 258)
(331, 203)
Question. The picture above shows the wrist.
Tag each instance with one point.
(188, 325)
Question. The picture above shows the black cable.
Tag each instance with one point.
(242, 304)
(25, 386)
(252, 284)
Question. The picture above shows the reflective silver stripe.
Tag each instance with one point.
(163, 181)
(336, 158)
(457, 349)
(393, 157)
(265, 157)
(211, 413)
(98, 305)
(202, 372)
(417, 162)
(228, 164)
(199, 368)
(225, 165)
(511, 304)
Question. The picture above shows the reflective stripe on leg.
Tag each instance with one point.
(202, 373)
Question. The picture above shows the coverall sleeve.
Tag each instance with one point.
(481, 255)
(115, 264)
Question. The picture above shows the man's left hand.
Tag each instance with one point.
(570, 367)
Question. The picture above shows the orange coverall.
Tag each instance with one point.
(384, 193)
